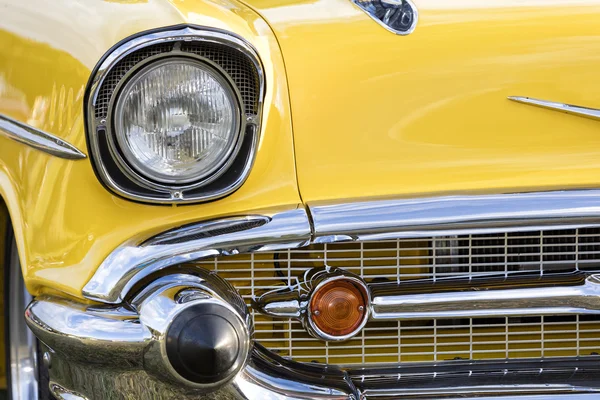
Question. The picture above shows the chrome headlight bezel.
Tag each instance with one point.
(229, 56)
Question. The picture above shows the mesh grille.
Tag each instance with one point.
(119, 71)
(238, 66)
(541, 252)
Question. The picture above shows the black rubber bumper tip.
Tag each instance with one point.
(204, 343)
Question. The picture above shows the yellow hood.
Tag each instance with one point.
(377, 114)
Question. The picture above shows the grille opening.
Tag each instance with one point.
(403, 260)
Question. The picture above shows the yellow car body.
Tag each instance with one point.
(351, 113)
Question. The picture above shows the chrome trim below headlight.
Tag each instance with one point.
(138, 258)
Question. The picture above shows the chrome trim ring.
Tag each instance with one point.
(118, 146)
(312, 327)
(38, 139)
(23, 344)
(294, 301)
(152, 192)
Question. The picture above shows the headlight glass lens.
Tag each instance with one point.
(177, 121)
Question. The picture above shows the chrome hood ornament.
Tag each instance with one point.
(585, 112)
(397, 16)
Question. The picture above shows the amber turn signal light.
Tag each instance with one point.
(338, 308)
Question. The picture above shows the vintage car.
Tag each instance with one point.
(301, 199)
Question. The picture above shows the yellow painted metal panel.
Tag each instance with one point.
(66, 223)
(377, 114)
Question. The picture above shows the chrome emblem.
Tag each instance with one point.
(397, 16)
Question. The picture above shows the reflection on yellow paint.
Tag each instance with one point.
(30, 71)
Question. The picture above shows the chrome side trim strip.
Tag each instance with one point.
(452, 215)
(38, 139)
(559, 300)
(538, 392)
(585, 112)
(571, 396)
(137, 259)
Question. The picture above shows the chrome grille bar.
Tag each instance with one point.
(559, 300)
(562, 294)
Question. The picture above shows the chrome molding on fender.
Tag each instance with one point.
(38, 139)
(585, 112)
(138, 258)
(375, 220)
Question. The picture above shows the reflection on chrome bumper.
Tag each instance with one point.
(98, 353)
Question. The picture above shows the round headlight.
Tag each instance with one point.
(177, 121)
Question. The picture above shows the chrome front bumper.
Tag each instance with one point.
(102, 351)
(95, 355)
